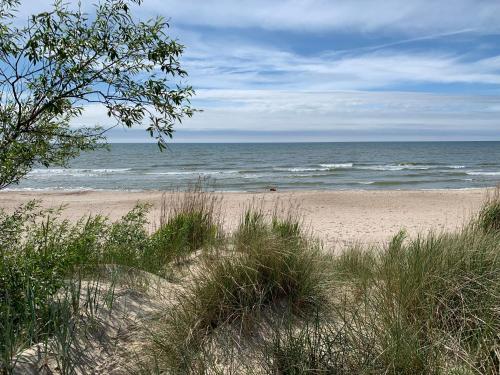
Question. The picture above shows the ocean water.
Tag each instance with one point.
(257, 167)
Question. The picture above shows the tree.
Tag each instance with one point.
(64, 59)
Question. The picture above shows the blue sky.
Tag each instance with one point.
(319, 70)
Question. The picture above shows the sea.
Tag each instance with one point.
(280, 166)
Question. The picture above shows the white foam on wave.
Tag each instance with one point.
(389, 167)
(299, 169)
(381, 167)
(337, 165)
(66, 189)
(74, 172)
(481, 173)
(194, 173)
(322, 168)
(393, 167)
(386, 167)
(52, 188)
(305, 169)
(255, 175)
(169, 173)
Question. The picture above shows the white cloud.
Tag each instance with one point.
(226, 61)
(292, 110)
(349, 101)
(215, 64)
(351, 113)
(408, 17)
(249, 84)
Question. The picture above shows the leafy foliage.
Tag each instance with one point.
(42, 256)
(65, 59)
(39, 253)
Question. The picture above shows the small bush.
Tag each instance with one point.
(127, 241)
(39, 253)
(36, 261)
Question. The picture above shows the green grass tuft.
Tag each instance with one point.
(431, 302)
(315, 346)
(489, 216)
(267, 296)
(270, 266)
(187, 223)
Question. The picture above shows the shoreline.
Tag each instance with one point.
(338, 217)
(262, 191)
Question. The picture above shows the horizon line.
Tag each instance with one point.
(288, 142)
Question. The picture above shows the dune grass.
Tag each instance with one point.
(489, 216)
(425, 305)
(187, 223)
(269, 264)
(42, 257)
(434, 294)
(314, 346)
(264, 299)
(43, 263)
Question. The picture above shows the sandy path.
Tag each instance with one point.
(338, 217)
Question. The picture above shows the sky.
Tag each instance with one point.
(332, 70)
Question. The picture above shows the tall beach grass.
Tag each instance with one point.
(268, 266)
(264, 299)
(43, 257)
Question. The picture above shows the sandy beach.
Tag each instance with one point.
(337, 217)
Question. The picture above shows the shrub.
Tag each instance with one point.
(39, 253)
(127, 242)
